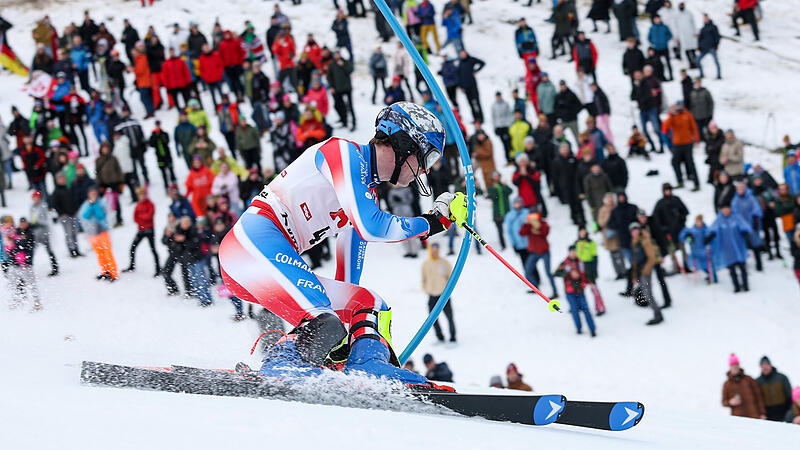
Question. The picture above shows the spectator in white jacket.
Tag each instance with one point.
(123, 152)
(686, 32)
(502, 118)
(400, 66)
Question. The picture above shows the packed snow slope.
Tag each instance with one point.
(676, 369)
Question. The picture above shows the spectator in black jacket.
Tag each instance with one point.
(633, 58)
(707, 42)
(436, 371)
(777, 391)
(129, 37)
(65, 203)
(565, 170)
(189, 253)
(131, 128)
(723, 190)
(670, 217)
(615, 167)
(468, 66)
(566, 108)
(714, 140)
(621, 217)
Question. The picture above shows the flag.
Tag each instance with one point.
(8, 58)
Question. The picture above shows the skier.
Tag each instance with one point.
(330, 189)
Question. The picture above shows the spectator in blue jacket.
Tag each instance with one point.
(81, 59)
(97, 117)
(60, 91)
(452, 22)
(512, 223)
(700, 251)
(659, 37)
(449, 73)
(731, 233)
(747, 206)
(394, 93)
(791, 173)
(526, 42)
(707, 43)
(180, 205)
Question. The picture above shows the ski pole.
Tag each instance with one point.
(552, 305)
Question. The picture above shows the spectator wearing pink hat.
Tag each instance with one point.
(793, 415)
(515, 379)
(741, 393)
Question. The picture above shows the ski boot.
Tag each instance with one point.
(302, 352)
(371, 352)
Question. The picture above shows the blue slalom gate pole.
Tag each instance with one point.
(451, 126)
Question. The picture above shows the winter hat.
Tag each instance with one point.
(666, 186)
(796, 394)
(286, 98)
(495, 380)
(73, 154)
(427, 358)
(634, 226)
(280, 115)
(512, 368)
(36, 195)
(791, 153)
(194, 103)
(764, 359)
(543, 74)
(172, 189)
(733, 359)
(79, 166)
(571, 248)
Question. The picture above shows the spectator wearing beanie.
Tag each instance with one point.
(776, 390)
(515, 379)
(741, 393)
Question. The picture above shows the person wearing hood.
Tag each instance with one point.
(700, 252)
(776, 390)
(515, 379)
(732, 233)
(741, 393)
(745, 205)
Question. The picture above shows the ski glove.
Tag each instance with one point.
(451, 206)
(709, 238)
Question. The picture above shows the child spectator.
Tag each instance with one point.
(571, 269)
(94, 213)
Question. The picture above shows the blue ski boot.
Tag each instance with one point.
(303, 351)
(370, 351)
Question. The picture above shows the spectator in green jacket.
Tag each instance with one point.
(776, 389)
(498, 192)
(586, 250)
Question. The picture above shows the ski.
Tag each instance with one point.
(244, 382)
(524, 409)
(610, 416)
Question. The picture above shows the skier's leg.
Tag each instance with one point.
(259, 265)
(368, 318)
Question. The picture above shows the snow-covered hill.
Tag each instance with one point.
(676, 369)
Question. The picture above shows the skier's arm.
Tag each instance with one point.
(342, 165)
(350, 251)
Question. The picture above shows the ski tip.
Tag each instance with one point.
(548, 409)
(625, 415)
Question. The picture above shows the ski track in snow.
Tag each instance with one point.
(676, 369)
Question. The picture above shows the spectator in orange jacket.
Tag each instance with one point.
(211, 71)
(233, 54)
(176, 77)
(144, 83)
(198, 185)
(684, 135)
(143, 216)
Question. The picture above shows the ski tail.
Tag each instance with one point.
(610, 416)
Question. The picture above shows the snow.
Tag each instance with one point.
(676, 369)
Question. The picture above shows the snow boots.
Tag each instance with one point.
(371, 352)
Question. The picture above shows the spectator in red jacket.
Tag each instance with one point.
(526, 178)
(232, 53)
(211, 71)
(176, 77)
(745, 9)
(33, 160)
(537, 229)
(313, 50)
(143, 216)
(284, 50)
